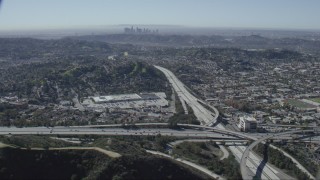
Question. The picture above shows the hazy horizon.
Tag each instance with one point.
(163, 30)
(229, 14)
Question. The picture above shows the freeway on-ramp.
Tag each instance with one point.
(245, 157)
(206, 117)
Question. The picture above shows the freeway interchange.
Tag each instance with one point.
(206, 118)
(192, 132)
(236, 142)
(249, 161)
(246, 153)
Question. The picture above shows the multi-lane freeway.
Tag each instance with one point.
(203, 115)
(205, 132)
(245, 159)
(65, 130)
(206, 118)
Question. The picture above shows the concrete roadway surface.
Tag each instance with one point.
(268, 171)
(240, 135)
(205, 116)
(200, 133)
(64, 130)
(196, 166)
(246, 158)
(224, 150)
(202, 114)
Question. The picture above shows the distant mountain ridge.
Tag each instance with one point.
(243, 42)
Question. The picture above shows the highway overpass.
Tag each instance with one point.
(205, 116)
(245, 157)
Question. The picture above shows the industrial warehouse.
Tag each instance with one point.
(126, 101)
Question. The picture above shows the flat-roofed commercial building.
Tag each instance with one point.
(126, 101)
(116, 98)
(247, 123)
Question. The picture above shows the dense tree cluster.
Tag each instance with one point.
(301, 153)
(146, 167)
(65, 164)
(134, 163)
(200, 154)
(277, 158)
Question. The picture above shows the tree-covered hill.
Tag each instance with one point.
(84, 164)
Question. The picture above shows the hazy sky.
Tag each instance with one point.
(33, 14)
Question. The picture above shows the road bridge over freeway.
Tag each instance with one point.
(245, 156)
(205, 116)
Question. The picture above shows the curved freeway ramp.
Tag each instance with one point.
(191, 164)
(245, 156)
(208, 118)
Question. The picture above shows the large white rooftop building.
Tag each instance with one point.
(126, 101)
(116, 98)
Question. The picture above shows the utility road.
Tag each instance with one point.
(196, 166)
